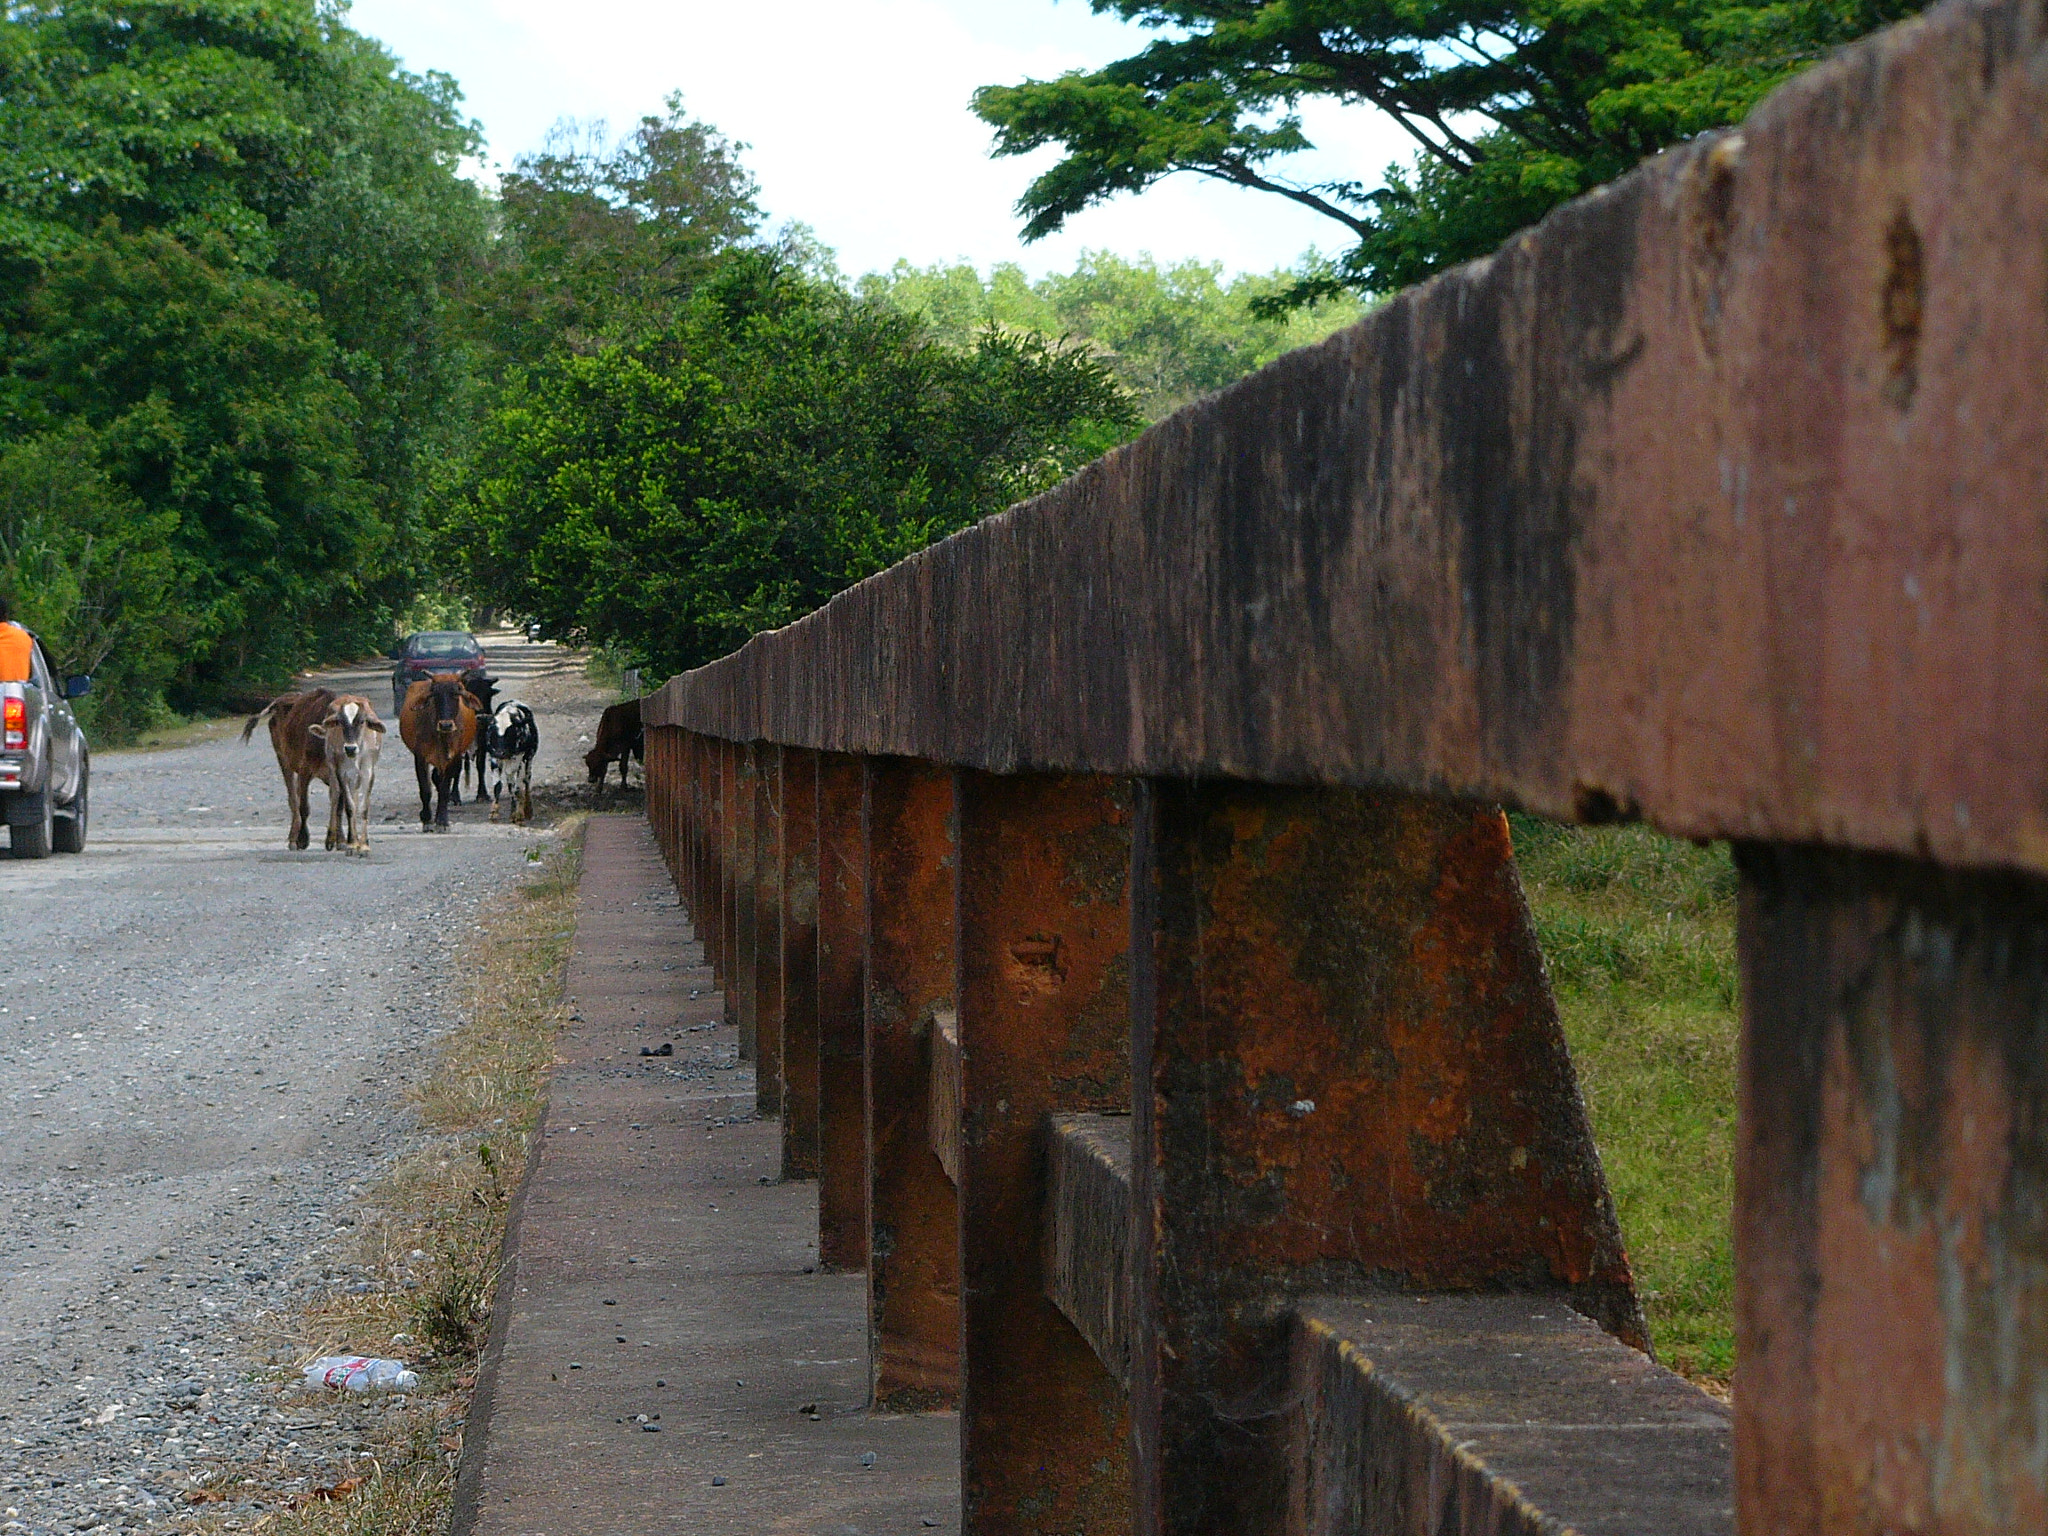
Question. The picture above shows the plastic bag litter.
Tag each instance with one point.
(361, 1373)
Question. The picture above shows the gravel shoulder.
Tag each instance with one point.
(205, 1041)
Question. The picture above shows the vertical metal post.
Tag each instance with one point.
(745, 864)
(1891, 1220)
(913, 1217)
(799, 963)
(728, 861)
(1347, 1070)
(767, 929)
(1044, 1017)
(842, 1010)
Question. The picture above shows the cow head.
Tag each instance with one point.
(445, 698)
(350, 726)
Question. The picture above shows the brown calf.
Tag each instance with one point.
(301, 753)
(619, 737)
(438, 723)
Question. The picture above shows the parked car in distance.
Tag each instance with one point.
(431, 651)
(45, 765)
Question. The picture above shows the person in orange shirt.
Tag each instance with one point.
(15, 648)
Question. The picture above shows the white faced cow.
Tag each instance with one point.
(350, 734)
(511, 739)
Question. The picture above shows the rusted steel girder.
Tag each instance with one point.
(767, 929)
(1044, 1019)
(1891, 1198)
(842, 1009)
(1716, 494)
(703, 905)
(746, 932)
(728, 878)
(1347, 1072)
(913, 1217)
(799, 963)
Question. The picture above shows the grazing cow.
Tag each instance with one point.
(483, 690)
(350, 735)
(439, 724)
(510, 739)
(294, 719)
(618, 738)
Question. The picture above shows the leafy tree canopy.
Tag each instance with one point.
(1514, 106)
(778, 441)
(1167, 334)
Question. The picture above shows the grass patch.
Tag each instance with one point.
(433, 1230)
(178, 733)
(1638, 931)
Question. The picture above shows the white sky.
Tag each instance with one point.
(856, 111)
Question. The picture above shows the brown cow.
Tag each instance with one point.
(439, 724)
(619, 738)
(293, 719)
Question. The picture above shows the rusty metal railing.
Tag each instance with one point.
(1267, 1198)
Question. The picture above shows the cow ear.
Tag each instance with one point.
(374, 725)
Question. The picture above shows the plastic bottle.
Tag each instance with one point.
(361, 1373)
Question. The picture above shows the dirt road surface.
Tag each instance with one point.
(204, 1045)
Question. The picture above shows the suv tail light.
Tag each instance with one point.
(13, 723)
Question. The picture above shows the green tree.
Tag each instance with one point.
(1168, 334)
(210, 391)
(602, 241)
(1514, 106)
(92, 571)
(779, 441)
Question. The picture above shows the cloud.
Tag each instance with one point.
(856, 114)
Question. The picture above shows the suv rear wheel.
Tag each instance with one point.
(68, 829)
(30, 839)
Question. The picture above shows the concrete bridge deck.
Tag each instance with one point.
(663, 1337)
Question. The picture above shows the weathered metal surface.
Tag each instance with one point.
(913, 1220)
(1716, 495)
(1892, 1198)
(944, 1093)
(767, 929)
(799, 963)
(1349, 1073)
(1494, 1416)
(842, 1005)
(745, 816)
(705, 908)
(1044, 999)
(728, 878)
(1088, 1232)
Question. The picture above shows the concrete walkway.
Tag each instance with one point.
(665, 1356)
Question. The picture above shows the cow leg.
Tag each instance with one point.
(334, 798)
(497, 784)
(522, 804)
(291, 800)
(425, 776)
(444, 781)
(302, 813)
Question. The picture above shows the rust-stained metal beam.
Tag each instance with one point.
(1347, 1072)
(913, 1216)
(1891, 1198)
(1714, 496)
(728, 880)
(842, 1006)
(799, 963)
(1044, 1000)
(746, 931)
(944, 1093)
(767, 930)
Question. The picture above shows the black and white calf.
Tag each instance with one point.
(510, 740)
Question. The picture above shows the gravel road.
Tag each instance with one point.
(204, 1043)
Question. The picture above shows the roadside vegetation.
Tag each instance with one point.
(1638, 932)
(432, 1234)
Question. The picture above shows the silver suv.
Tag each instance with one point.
(45, 767)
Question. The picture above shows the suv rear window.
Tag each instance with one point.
(448, 644)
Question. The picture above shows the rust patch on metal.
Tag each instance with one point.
(1891, 1198)
(1356, 1078)
(767, 930)
(913, 1215)
(1044, 1014)
(842, 1028)
(799, 963)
